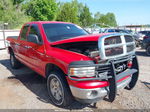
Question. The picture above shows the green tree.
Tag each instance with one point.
(41, 10)
(97, 16)
(9, 14)
(80, 8)
(68, 12)
(18, 3)
(111, 19)
(85, 17)
(108, 20)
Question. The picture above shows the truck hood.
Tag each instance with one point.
(79, 39)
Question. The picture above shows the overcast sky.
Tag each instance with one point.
(127, 11)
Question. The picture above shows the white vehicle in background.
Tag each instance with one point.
(95, 28)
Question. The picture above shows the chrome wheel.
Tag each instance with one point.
(56, 89)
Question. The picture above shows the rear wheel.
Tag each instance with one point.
(58, 89)
(148, 51)
(15, 64)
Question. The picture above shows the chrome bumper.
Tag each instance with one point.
(91, 95)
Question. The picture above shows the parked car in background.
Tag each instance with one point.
(93, 29)
(143, 34)
(146, 43)
(137, 37)
(115, 31)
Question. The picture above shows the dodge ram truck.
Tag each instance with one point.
(77, 65)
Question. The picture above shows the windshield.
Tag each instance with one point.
(61, 31)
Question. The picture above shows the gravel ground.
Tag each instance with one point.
(24, 89)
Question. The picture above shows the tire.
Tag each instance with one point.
(15, 64)
(148, 50)
(58, 89)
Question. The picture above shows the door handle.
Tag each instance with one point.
(27, 47)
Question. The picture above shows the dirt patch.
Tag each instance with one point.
(9, 99)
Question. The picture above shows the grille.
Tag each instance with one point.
(116, 45)
(119, 63)
(130, 48)
(114, 51)
(102, 69)
(113, 40)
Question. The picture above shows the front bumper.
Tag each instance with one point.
(96, 94)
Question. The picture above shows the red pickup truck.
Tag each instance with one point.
(77, 65)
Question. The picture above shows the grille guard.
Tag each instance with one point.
(112, 78)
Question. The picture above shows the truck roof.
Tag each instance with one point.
(43, 22)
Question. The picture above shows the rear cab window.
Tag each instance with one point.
(23, 35)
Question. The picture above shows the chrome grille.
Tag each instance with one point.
(116, 45)
(130, 48)
(113, 51)
(113, 40)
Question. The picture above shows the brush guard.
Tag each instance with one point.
(112, 77)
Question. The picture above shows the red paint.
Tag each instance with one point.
(145, 37)
(88, 84)
(129, 64)
(91, 84)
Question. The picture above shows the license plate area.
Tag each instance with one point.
(120, 67)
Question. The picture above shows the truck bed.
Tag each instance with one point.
(14, 37)
(11, 39)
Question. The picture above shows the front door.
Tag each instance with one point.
(35, 52)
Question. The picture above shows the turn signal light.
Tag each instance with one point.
(130, 64)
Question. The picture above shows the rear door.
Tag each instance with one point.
(22, 44)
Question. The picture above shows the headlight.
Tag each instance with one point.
(82, 72)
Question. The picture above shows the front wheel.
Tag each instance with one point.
(148, 51)
(58, 89)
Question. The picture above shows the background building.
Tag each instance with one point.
(135, 27)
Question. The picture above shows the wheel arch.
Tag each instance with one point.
(52, 67)
(10, 50)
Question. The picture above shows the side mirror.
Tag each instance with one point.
(33, 38)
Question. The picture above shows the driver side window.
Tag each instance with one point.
(35, 31)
